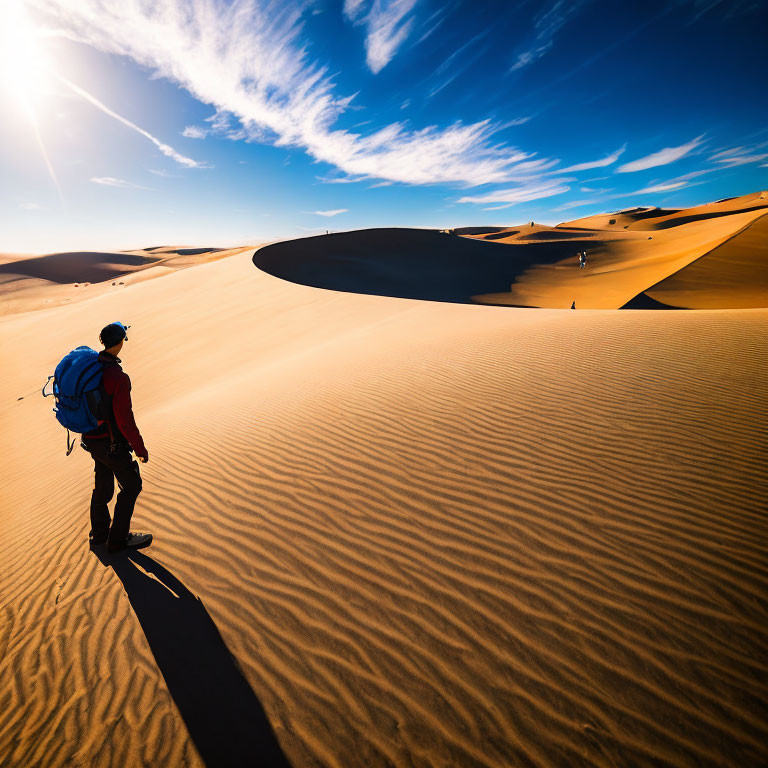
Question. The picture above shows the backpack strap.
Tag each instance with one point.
(70, 447)
(109, 413)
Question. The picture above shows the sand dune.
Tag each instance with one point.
(644, 218)
(88, 265)
(428, 533)
(29, 282)
(534, 265)
(733, 275)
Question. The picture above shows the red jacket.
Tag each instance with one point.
(117, 385)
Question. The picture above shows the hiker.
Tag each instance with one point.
(582, 259)
(110, 445)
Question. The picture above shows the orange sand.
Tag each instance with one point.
(429, 534)
(648, 250)
(629, 255)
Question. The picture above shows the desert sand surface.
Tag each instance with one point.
(397, 532)
(639, 257)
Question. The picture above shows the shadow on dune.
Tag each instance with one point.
(477, 230)
(631, 215)
(407, 263)
(169, 250)
(78, 266)
(501, 235)
(548, 235)
(640, 214)
(680, 220)
(197, 251)
(224, 717)
(644, 301)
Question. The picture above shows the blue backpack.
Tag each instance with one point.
(77, 392)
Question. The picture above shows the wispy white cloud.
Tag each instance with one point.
(576, 204)
(387, 27)
(666, 187)
(732, 7)
(733, 160)
(454, 66)
(341, 179)
(670, 185)
(523, 193)
(110, 181)
(607, 160)
(516, 121)
(723, 159)
(526, 57)
(30, 206)
(334, 212)
(432, 23)
(167, 150)
(546, 27)
(727, 152)
(354, 9)
(693, 175)
(662, 157)
(221, 125)
(448, 80)
(742, 155)
(249, 63)
(194, 132)
(676, 183)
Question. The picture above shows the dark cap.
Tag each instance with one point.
(113, 334)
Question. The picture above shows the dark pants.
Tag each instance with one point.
(107, 468)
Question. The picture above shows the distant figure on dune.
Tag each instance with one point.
(573, 304)
(582, 259)
(110, 445)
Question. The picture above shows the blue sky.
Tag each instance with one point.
(129, 124)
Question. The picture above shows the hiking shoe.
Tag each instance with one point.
(134, 541)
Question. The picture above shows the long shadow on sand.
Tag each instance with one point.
(409, 263)
(224, 717)
(78, 266)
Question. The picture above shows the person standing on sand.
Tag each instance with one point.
(110, 445)
(582, 259)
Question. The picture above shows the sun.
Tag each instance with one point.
(24, 66)
(24, 74)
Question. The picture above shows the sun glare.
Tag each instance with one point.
(23, 72)
(23, 64)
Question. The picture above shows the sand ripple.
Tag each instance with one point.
(462, 536)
